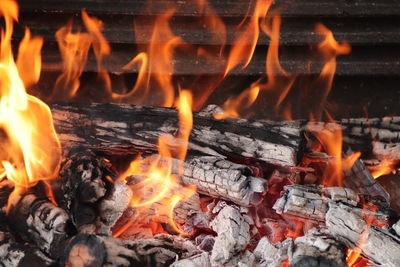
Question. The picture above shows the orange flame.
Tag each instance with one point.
(245, 44)
(158, 184)
(155, 77)
(74, 48)
(386, 166)
(330, 137)
(31, 152)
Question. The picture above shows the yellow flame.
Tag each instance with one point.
(31, 150)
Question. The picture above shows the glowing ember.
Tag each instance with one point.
(31, 152)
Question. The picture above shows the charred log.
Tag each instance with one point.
(134, 128)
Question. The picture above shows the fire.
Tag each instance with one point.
(330, 137)
(31, 151)
(245, 44)
(386, 166)
(156, 182)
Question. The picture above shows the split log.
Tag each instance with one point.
(376, 244)
(82, 183)
(232, 235)
(13, 254)
(272, 255)
(317, 249)
(126, 128)
(312, 203)
(39, 221)
(97, 250)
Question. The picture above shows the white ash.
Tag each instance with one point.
(271, 255)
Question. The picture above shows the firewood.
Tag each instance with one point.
(376, 244)
(272, 255)
(113, 127)
(39, 221)
(13, 254)
(317, 248)
(97, 250)
(232, 235)
(81, 185)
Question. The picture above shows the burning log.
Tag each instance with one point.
(375, 243)
(217, 177)
(13, 253)
(127, 128)
(232, 235)
(97, 250)
(39, 221)
(317, 249)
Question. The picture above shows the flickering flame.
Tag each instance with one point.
(330, 137)
(74, 48)
(329, 48)
(244, 45)
(386, 166)
(158, 183)
(31, 151)
(154, 84)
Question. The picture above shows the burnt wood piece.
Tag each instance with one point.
(358, 8)
(125, 128)
(201, 259)
(317, 248)
(233, 235)
(81, 185)
(375, 243)
(13, 254)
(39, 221)
(312, 203)
(97, 250)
